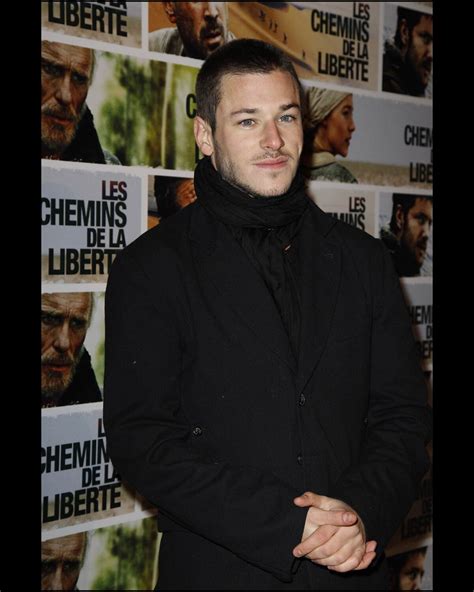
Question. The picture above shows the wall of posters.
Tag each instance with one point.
(118, 157)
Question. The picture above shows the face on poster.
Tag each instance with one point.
(113, 22)
(167, 195)
(72, 348)
(406, 228)
(78, 483)
(408, 51)
(355, 207)
(359, 139)
(111, 108)
(335, 42)
(189, 29)
(412, 569)
(100, 559)
(87, 218)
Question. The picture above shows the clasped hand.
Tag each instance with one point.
(333, 535)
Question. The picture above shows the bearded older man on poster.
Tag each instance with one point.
(67, 124)
(67, 376)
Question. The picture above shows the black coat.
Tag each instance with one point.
(207, 417)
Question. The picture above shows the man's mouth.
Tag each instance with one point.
(427, 67)
(422, 248)
(57, 367)
(272, 163)
(213, 37)
(60, 119)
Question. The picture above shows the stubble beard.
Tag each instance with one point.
(229, 173)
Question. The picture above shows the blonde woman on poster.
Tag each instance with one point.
(328, 132)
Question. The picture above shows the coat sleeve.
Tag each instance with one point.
(248, 511)
(384, 483)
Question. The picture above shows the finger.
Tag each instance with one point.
(350, 564)
(370, 546)
(318, 537)
(366, 561)
(334, 517)
(318, 519)
(309, 498)
(347, 556)
(338, 550)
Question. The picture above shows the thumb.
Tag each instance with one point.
(308, 499)
(332, 517)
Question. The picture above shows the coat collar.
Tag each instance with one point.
(224, 264)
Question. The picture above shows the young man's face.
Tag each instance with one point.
(415, 229)
(202, 26)
(420, 50)
(258, 138)
(61, 561)
(65, 78)
(64, 322)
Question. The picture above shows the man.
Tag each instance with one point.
(61, 561)
(258, 349)
(67, 376)
(408, 61)
(67, 125)
(408, 233)
(407, 569)
(173, 194)
(201, 27)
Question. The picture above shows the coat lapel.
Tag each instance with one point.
(225, 266)
(320, 260)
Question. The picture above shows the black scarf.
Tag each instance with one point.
(265, 228)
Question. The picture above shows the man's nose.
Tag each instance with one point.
(430, 50)
(62, 340)
(272, 139)
(211, 9)
(56, 583)
(63, 91)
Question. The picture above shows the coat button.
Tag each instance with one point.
(197, 431)
(299, 459)
(302, 400)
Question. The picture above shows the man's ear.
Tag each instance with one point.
(399, 218)
(203, 136)
(170, 13)
(404, 34)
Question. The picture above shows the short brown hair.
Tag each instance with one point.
(240, 56)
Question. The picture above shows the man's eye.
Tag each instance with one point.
(79, 79)
(51, 69)
(50, 320)
(288, 118)
(246, 123)
(77, 323)
(48, 567)
(71, 566)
